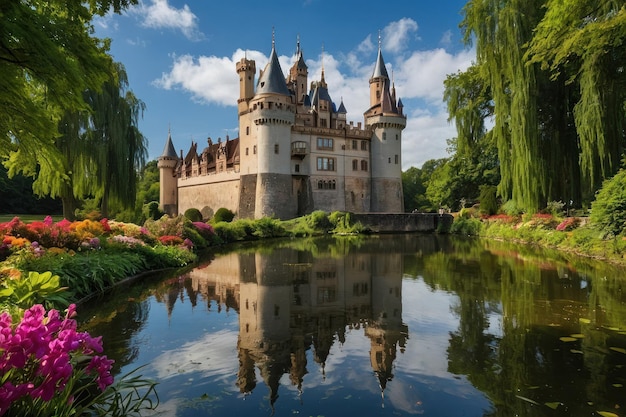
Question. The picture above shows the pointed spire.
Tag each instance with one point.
(380, 70)
(342, 108)
(272, 79)
(322, 59)
(169, 151)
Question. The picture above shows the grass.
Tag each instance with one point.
(29, 217)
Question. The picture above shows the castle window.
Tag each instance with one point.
(325, 164)
(397, 136)
(320, 184)
(355, 164)
(325, 144)
(363, 145)
(247, 149)
(354, 144)
(333, 185)
(276, 148)
(297, 168)
(384, 135)
(389, 159)
(247, 130)
(364, 165)
(323, 122)
(254, 150)
(397, 159)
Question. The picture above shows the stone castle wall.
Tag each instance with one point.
(194, 192)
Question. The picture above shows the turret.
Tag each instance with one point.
(298, 76)
(168, 190)
(246, 69)
(387, 121)
(273, 114)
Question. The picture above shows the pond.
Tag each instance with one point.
(387, 325)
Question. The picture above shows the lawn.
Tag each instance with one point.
(28, 217)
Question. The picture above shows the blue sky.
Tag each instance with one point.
(180, 58)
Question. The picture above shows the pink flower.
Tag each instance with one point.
(102, 365)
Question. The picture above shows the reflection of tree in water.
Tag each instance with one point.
(523, 365)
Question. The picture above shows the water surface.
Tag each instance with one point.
(390, 325)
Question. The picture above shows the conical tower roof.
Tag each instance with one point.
(169, 151)
(380, 70)
(272, 80)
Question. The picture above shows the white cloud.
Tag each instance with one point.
(396, 34)
(159, 14)
(422, 74)
(446, 38)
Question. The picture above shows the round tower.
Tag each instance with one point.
(246, 69)
(273, 114)
(386, 119)
(168, 181)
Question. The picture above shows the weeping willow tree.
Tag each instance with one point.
(119, 147)
(469, 102)
(500, 29)
(102, 148)
(556, 78)
(581, 42)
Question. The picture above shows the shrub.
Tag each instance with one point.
(193, 214)
(318, 220)
(488, 200)
(151, 211)
(466, 226)
(268, 227)
(50, 368)
(223, 215)
(511, 208)
(555, 208)
(608, 211)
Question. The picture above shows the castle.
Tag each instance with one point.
(295, 153)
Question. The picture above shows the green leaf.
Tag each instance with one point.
(607, 414)
(527, 400)
(553, 405)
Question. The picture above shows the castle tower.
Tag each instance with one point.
(168, 190)
(387, 121)
(246, 69)
(273, 113)
(298, 76)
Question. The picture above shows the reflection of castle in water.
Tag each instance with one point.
(288, 304)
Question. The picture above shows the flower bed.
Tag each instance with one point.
(47, 367)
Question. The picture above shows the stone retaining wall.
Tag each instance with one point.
(403, 222)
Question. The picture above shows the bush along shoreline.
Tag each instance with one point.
(581, 236)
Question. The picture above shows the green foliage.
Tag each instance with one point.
(608, 211)
(232, 232)
(223, 215)
(318, 220)
(488, 199)
(469, 226)
(129, 395)
(555, 208)
(18, 197)
(343, 224)
(268, 227)
(511, 208)
(151, 211)
(36, 288)
(193, 214)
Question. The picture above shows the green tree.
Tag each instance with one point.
(48, 58)
(554, 69)
(581, 44)
(119, 147)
